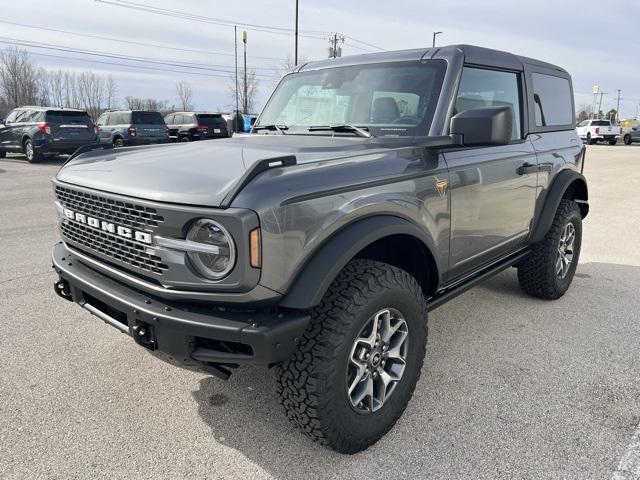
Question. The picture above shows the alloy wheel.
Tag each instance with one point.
(377, 360)
(564, 257)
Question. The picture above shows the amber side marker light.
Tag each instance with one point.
(255, 256)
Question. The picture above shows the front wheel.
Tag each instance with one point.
(548, 270)
(358, 363)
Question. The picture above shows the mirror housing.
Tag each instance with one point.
(483, 126)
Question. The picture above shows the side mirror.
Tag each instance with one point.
(1, 121)
(483, 126)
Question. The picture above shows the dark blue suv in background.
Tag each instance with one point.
(38, 131)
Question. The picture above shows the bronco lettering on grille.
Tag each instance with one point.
(125, 232)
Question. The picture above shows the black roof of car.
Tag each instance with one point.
(471, 54)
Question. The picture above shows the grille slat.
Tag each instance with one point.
(99, 241)
(108, 209)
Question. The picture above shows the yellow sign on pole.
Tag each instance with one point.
(244, 36)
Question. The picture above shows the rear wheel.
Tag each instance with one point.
(3, 154)
(590, 141)
(118, 142)
(30, 151)
(627, 139)
(185, 138)
(548, 270)
(613, 141)
(356, 367)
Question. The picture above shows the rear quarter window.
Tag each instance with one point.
(552, 100)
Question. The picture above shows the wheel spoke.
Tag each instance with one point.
(365, 391)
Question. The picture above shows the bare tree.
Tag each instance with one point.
(18, 78)
(111, 90)
(185, 95)
(249, 104)
(136, 103)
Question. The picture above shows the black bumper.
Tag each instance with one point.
(189, 336)
(62, 147)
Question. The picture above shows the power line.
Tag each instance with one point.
(205, 67)
(211, 20)
(316, 34)
(131, 42)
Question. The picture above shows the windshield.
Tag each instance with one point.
(211, 119)
(391, 99)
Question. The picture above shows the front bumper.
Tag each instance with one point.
(190, 336)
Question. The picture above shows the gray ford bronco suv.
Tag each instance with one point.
(371, 190)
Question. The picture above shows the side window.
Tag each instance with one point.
(490, 88)
(169, 119)
(552, 100)
(11, 118)
(20, 116)
(583, 123)
(188, 119)
(102, 120)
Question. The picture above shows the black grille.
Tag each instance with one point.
(118, 248)
(116, 211)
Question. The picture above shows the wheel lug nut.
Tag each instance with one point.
(366, 356)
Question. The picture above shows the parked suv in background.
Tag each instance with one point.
(190, 126)
(38, 131)
(633, 135)
(132, 127)
(374, 189)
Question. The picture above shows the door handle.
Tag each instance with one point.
(527, 168)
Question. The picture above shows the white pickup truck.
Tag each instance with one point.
(592, 131)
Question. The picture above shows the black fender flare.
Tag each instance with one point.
(563, 181)
(312, 282)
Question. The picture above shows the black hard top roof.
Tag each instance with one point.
(472, 55)
(46, 109)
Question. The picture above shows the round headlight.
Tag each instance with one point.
(216, 262)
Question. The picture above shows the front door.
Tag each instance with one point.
(493, 189)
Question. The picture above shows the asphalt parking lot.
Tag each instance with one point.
(512, 387)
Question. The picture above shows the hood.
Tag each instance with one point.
(196, 173)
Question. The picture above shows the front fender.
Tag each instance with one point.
(317, 275)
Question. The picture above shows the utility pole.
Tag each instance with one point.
(296, 51)
(235, 42)
(244, 40)
(600, 103)
(334, 50)
(618, 107)
(434, 37)
(636, 117)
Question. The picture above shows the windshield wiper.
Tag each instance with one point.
(343, 127)
(272, 126)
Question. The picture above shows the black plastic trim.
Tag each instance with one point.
(317, 275)
(555, 193)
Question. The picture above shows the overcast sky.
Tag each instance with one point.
(596, 45)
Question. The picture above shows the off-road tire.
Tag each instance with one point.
(118, 142)
(627, 139)
(537, 272)
(312, 382)
(613, 141)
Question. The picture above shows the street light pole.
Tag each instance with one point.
(434, 37)
(244, 40)
(235, 43)
(296, 54)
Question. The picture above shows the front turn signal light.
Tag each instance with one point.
(255, 255)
